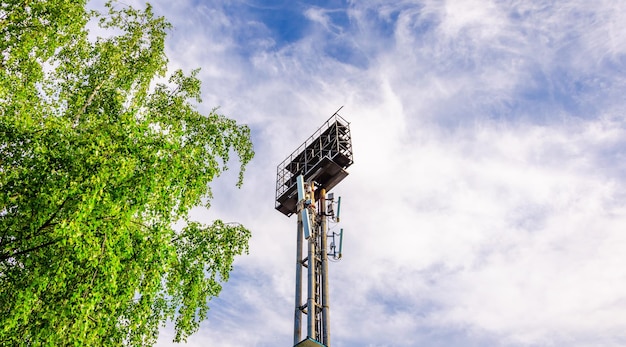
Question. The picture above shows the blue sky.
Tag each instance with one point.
(487, 202)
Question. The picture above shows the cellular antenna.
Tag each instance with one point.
(302, 181)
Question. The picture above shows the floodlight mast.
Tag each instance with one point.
(303, 179)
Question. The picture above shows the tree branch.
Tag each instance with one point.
(95, 273)
(46, 224)
(9, 256)
(87, 103)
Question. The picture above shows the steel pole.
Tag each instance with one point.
(324, 255)
(297, 326)
(311, 306)
(312, 264)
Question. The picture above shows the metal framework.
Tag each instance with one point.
(302, 182)
(323, 157)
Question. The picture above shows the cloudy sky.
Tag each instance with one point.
(487, 202)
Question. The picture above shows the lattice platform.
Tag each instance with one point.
(323, 158)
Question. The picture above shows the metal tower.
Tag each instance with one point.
(302, 183)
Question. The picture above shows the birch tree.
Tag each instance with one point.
(97, 163)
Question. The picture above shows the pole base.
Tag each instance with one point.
(309, 342)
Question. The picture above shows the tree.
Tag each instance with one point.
(97, 163)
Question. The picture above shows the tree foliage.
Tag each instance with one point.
(97, 163)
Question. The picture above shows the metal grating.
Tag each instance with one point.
(323, 157)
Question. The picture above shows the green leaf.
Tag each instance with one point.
(95, 168)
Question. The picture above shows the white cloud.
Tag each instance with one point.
(486, 202)
(319, 16)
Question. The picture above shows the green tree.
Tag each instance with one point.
(97, 163)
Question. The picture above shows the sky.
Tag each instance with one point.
(486, 205)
